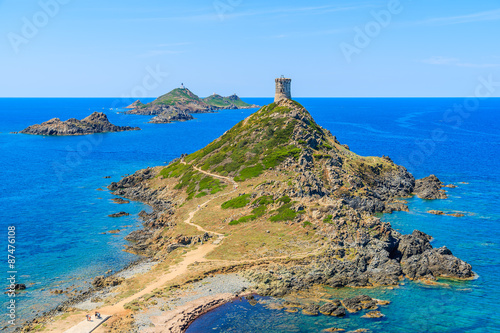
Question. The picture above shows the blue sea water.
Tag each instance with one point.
(48, 191)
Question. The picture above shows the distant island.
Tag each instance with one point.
(97, 122)
(178, 104)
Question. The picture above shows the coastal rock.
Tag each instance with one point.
(171, 115)
(334, 329)
(120, 201)
(435, 212)
(120, 214)
(111, 281)
(19, 286)
(333, 308)
(310, 309)
(436, 262)
(429, 188)
(358, 303)
(373, 314)
(97, 122)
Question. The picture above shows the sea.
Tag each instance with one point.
(55, 204)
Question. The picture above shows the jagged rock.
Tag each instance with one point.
(120, 201)
(435, 212)
(429, 188)
(19, 286)
(373, 314)
(358, 303)
(171, 115)
(111, 281)
(310, 309)
(333, 308)
(120, 214)
(436, 262)
(97, 122)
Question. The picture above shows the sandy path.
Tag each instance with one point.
(197, 255)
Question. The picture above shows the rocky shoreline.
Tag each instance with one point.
(97, 122)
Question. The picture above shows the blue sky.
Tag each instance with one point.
(121, 48)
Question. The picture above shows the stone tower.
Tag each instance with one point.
(283, 89)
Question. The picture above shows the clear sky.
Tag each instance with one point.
(109, 48)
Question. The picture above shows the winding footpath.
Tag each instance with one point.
(196, 255)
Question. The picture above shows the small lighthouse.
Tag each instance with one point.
(283, 89)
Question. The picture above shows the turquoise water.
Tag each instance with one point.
(48, 190)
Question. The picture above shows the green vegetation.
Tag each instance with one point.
(196, 184)
(263, 200)
(238, 202)
(328, 219)
(249, 172)
(306, 224)
(284, 213)
(252, 146)
(177, 96)
(217, 100)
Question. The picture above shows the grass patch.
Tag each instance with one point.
(284, 214)
(328, 219)
(306, 224)
(250, 172)
(238, 202)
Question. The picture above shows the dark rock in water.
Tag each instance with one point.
(120, 201)
(97, 122)
(107, 177)
(111, 281)
(358, 303)
(373, 314)
(333, 308)
(20, 286)
(171, 115)
(436, 262)
(410, 245)
(120, 214)
(435, 212)
(310, 309)
(429, 188)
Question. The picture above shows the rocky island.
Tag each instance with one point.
(97, 122)
(276, 206)
(178, 104)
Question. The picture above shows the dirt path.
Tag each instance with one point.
(197, 255)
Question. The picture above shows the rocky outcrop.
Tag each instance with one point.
(111, 281)
(333, 308)
(171, 115)
(136, 104)
(120, 214)
(97, 122)
(429, 188)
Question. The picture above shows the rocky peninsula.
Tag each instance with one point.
(97, 122)
(280, 202)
